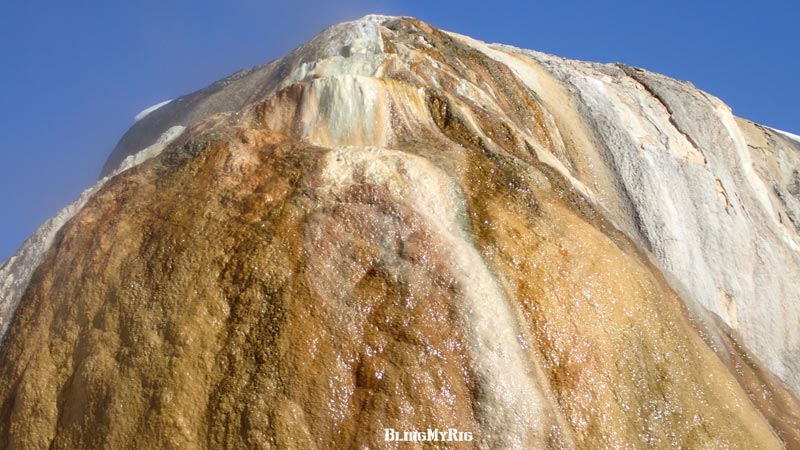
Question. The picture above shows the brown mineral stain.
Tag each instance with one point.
(226, 310)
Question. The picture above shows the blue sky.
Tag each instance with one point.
(74, 74)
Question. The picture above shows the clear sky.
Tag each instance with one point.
(74, 73)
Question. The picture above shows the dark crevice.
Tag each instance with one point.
(634, 74)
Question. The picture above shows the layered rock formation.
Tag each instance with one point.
(398, 227)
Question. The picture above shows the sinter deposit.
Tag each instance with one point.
(399, 228)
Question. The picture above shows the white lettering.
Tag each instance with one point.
(428, 435)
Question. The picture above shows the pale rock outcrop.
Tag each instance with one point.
(711, 205)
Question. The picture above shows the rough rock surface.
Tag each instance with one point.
(399, 227)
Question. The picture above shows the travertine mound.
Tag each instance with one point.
(398, 227)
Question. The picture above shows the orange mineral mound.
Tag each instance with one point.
(395, 229)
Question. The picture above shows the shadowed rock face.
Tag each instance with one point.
(398, 227)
